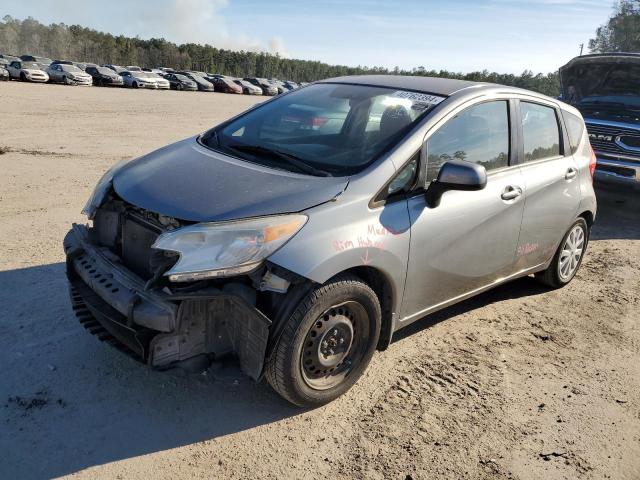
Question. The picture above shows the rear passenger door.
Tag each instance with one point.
(552, 188)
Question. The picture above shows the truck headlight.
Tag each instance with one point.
(100, 191)
(210, 250)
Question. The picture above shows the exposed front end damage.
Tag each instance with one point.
(120, 294)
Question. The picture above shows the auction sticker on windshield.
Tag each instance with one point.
(419, 100)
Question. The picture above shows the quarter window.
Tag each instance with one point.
(540, 131)
(479, 134)
(575, 129)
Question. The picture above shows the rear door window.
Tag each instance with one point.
(479, 134)
(540, 130)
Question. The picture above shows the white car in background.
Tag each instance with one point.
(27, 71)
(68, 74)
(144, 80)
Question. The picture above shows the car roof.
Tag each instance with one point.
(434, 85)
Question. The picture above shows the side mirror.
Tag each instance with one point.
(456, 175)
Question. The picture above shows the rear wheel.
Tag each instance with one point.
(568, 257)
(327, 342)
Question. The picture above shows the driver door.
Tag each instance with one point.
(469, 241)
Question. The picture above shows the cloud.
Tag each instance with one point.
(276, 45)
(202, 21)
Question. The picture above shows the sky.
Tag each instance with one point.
(507, 36)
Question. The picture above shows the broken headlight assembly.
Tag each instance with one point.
(101, 189)
(213, 250)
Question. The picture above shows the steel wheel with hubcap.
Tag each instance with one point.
(568, 257)
(326, 343)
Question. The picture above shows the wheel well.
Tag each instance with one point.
(588, 217)
(381, 285)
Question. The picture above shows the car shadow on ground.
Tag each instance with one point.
(523, 287)
(68, 401)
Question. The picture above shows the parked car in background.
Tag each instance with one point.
(4, 73)
(247, 87)
(226, 85)
(9, 58)
(104, 77)
(203, 85)
(133, 68)
(68, 74)
(140, 79)
(606, 90)
(33, 58)
(116, 68)
(262, 83)
(27, 71)
(291, 85)
(302, 251)
(279, 85)
(180, 82)
(83, 65)
(63, 62)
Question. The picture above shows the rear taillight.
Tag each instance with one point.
(592, 162)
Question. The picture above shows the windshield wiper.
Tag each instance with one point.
(289, 158)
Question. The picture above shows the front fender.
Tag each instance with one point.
(340, 236)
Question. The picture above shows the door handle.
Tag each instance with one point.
(571, 173)
(511, 193)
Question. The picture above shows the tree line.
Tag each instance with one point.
(74, 42)
(621, 33)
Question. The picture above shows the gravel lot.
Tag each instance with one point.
(518, 383)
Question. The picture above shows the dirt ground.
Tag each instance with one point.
(521, 382)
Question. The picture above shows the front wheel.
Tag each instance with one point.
(134, 84)
(326, 343)
(568, 257)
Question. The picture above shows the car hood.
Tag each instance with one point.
(190, 182)
(600, 76)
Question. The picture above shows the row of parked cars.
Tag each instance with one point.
(29, 68)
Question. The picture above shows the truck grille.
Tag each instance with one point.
(612, 139)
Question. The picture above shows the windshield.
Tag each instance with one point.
(104, 70)
(71, 69)
(335, 128)
(182, 78)
(31, 65)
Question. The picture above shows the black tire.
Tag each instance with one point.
(552, 276)
(179, 87)
(134, 84)
(309, 337)
(23, 77)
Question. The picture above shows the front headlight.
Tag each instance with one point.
(101, 189)
(210, 250)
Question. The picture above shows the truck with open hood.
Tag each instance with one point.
(606, 90)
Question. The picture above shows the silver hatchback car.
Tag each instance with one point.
(301, 234)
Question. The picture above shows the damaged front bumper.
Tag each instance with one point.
(160, 327)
